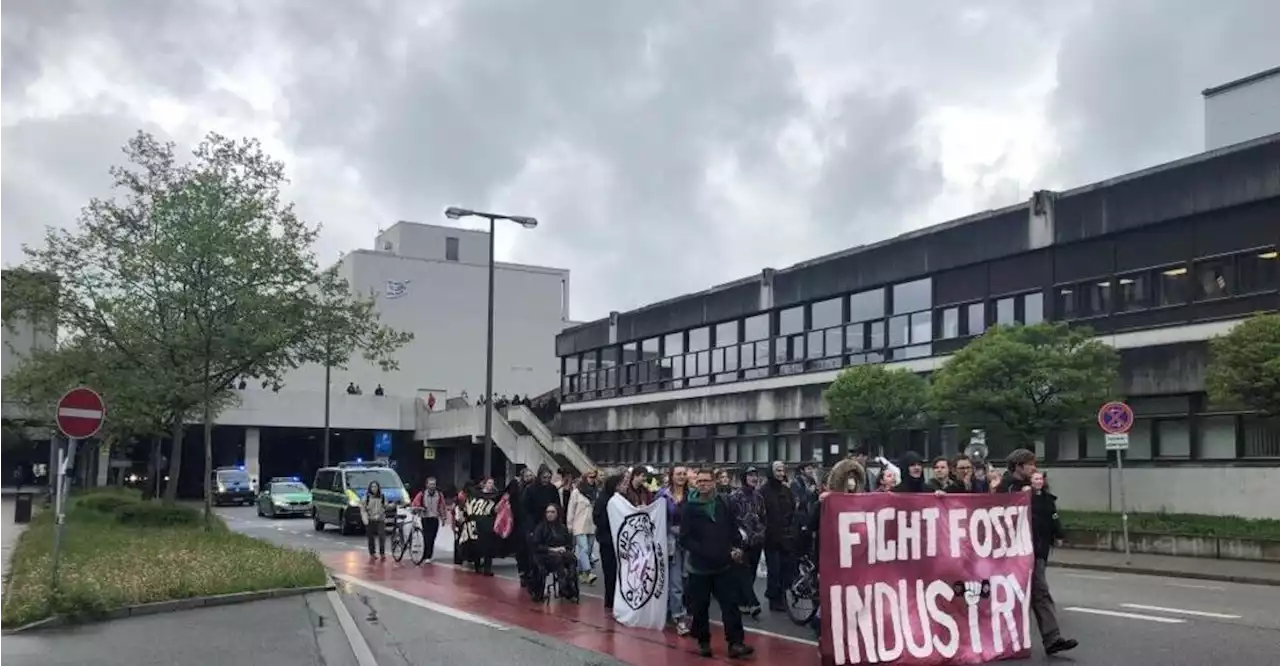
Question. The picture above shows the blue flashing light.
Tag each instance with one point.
(359, 460)
(242, 468)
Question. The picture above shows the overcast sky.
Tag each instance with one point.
(666, 145)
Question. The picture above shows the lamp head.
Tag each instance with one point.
(526, 222)
(455, 213)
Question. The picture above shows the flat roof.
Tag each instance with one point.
(1243, 81)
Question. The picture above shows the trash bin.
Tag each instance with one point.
(22, 507)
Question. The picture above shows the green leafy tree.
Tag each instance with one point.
(872, 401)
(1020, 382)
(200, 272)
(1244, 365)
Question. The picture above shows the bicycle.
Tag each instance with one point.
(415, 542)
(803, 591)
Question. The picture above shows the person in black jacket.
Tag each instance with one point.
(779, 535)
(1022, 467)
(537, 494)
(710, 537)
(912, 480)
(604, 538)
(553, 550)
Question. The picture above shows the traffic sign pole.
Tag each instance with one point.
(80, 414)
(1116, 419)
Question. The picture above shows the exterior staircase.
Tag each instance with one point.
(517, 432)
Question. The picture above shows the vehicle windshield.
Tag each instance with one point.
(233, 475)
(359, 479)
(288, 487)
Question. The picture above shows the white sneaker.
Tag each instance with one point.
(427, 561)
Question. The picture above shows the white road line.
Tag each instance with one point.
(77, 413)
(364, 656)
(422, 603)
(1131, 616)
(1192, 586)
(1089, 576)
(1182, 611)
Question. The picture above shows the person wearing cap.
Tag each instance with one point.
(749, 514)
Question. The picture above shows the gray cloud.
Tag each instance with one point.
(616, 123)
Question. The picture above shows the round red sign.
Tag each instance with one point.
(1115, 418)
(80, 413)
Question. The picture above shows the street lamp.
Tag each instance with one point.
(455, 213)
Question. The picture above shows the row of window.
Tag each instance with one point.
(1220, 437)
(883, 324)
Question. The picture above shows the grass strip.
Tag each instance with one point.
(1180, 524)
(107, 564)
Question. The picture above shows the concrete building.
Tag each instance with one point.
(1157, 262)
(1243, 109)
(432, 281)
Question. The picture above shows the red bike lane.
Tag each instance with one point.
(585, 625)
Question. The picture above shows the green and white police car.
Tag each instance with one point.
(284, 496)
(337, 491)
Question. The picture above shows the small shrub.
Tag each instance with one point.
(157, 514)
(107, 503)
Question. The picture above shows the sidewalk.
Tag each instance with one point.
(1232, 571)
(9, 533)
(294, 631)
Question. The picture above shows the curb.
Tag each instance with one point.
(1165, 573)
(157, 607)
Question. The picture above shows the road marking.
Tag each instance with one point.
(364, 656)
(1131, 616)
(1192, 586)
(422, 603)
(1182, 611)
(77, 413)
(1089, 576)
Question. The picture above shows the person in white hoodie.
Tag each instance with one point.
(579, 518)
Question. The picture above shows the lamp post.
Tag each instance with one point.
(455, 213)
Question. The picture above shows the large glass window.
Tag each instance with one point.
(825, 314)
(1033, 308)
(756, 328)
(1214, 279)
(724, 358)
(976, 318)
(1171, 286)
(791, 320)
(912, 296)
(866, 305)
(1259, 271)
(950, 323)
(699, 339)
(1066, 302)
(727, 334)
(1133, 292)
(1097, 298)
(1006, 312)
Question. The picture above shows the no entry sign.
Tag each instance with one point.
(80, 413)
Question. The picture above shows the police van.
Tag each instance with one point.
(232, 485)
(337, 491)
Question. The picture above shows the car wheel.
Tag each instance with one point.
(319, 524)
(344, 525)
(271, 512)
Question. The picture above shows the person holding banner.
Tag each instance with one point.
(710, 535)
(604, 538)
(1022, 468)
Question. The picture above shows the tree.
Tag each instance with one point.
(1244, 365)
(200, 271)
(1023, 381)
(872, 401)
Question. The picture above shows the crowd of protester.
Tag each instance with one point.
(720, 527)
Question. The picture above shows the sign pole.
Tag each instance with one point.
(79, 415)
(1124, 509)
(1116, 419)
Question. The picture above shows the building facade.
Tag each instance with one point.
(1157, 262)
(1243, 109)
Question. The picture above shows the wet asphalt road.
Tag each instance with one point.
(1118, 618)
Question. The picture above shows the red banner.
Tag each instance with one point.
(925, 579)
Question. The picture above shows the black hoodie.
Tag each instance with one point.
(908, 483)
(536, 498)
(779, 514)
(600, 512)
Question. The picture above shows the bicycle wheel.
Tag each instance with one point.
(802, 597)
(397, 543)
(417, 545)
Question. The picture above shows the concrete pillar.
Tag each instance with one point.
(104, 464)
(613, 327)
(252, 442)
(766, 289)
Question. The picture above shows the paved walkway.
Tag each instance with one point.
(1234, 571)
(9, 533)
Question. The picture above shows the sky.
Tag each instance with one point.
(665, 146)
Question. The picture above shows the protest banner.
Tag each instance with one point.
(925, 579)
